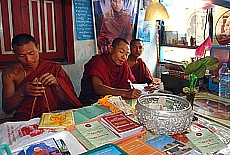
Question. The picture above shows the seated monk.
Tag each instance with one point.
(108, 74)
(33, 86)
(138, 66)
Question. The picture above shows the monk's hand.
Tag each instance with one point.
(156, 80)
(34, 88)
(133, 93)
(48, 79)
(151, 87)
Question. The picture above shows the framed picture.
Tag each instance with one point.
(222, 29)
(113, 19)
(143, 27)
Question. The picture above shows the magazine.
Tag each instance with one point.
(45, 147)
(170, 146)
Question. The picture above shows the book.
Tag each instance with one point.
(136, 146)
(45, 147)
(121, 125)
(62, 147)
(93, 134)
(206, 141)
(169, 145)
(225, 151)
(58, 120)
(107, 149)
(65, 141)
(89, 112)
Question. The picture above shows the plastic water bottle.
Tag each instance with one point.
(224, 81)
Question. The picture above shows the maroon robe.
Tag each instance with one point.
(23, 112)
(141, 72)
(112, 75)
(114, 25)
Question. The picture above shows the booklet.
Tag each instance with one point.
(86, 113)
(93, 134)
(62, 147)
(48, 146)
(58, 120)
(107, 149)
(170, 146)
(136, 146)
(206, 141)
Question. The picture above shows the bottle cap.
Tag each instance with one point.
(224, 64)
(162, 86)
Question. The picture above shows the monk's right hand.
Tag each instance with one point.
(34, 88)
(133, 93)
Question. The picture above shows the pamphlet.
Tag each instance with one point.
(206, 141)
(170, 146)
(58, 120)
(93, 134)
(44, 147)
(136, 146)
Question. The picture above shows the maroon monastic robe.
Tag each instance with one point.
(23, 112)
(112, 75)
(141, 72)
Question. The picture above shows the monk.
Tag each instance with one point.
(33, 86)
(116, 24)
(138, 66)
(108, 74)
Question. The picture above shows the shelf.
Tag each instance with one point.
(179, 46)
(223, 47)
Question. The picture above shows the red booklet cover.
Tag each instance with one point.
(121, 125)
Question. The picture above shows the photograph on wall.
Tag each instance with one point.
(143, 27)
(196, 26)
(113, 19)
(222, 29)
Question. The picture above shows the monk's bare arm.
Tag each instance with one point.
(101, 89)
(10, 99)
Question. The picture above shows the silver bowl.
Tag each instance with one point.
(170, 121)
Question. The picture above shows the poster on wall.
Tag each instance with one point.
(113, 19)
(84, 19)
(143, 27)
(222, 29)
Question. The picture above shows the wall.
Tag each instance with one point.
(85, 49)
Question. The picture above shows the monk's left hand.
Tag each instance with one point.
(48, 79)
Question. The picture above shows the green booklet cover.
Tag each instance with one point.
(89, 112)
(93, 134)
(206, 141)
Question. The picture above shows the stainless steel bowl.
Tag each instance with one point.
(168, 122)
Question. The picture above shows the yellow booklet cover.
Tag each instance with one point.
(56, 120)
